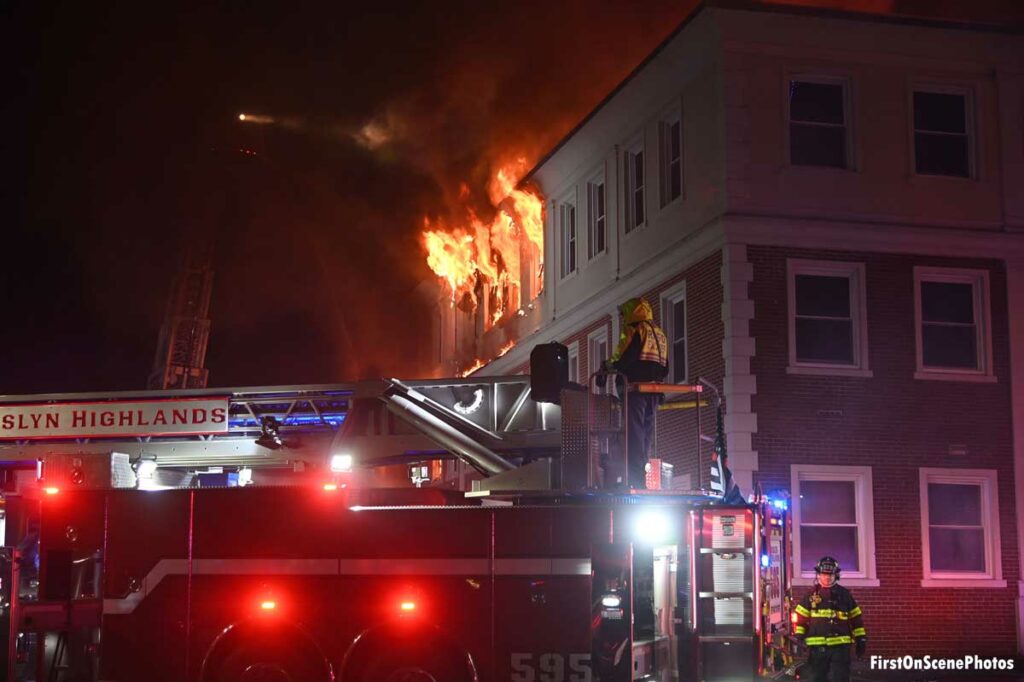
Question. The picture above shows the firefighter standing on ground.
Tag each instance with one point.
(828, 620)
(642, 355)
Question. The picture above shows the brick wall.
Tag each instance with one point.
(896, 425)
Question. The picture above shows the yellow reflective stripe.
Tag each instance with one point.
(799, 630)
(814, 641)
(842, 615)
(823, 613)
(842, 639)
(802, 611)
(855, 612)
(859, 632)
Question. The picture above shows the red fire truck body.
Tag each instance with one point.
(303, 583)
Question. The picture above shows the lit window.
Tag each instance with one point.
(818, 131)
(670, 159)
(960, 526)
(952, 322)
(833, 516)
(596, 217)
(827, 319)
(942, 140)
(673, 316)
(567, 226)
(633, 172)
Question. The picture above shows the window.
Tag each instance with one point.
(567, 228)
(827, 319)
(833, 514)
(574, 362)
(942, 140)
(596, 217)
(633, 172)
(597, 349)
(673, 318)
(953, 335)
(818, 129)
(670, 159)
(960, 528)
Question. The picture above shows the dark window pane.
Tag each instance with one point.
(957, 550)
(828, 502)
(947, 302)
(824, 341)
(676, 143)
(946, 346)
(940, 112)
(600, 200)
(600, 235)
(941, 154)
(638, 207)
(952, 504)
(818, 102)
(679, 320)
(823, 296)
(679, 361)
(817, 146)
(839, 542)
(638, 168)
(675, 180)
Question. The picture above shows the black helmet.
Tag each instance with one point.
(827, 565)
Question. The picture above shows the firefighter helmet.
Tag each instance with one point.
(827, 565)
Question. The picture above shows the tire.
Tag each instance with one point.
(252, 664)
(416, 666)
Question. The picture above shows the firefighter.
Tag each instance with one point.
(642, 355)
(828, 620)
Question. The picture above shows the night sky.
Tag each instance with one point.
(120, 149)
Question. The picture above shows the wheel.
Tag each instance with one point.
(251, 664)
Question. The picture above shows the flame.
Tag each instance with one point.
(506, 348)
(477, 364)
(488, 255)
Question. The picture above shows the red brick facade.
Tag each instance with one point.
(895, 424)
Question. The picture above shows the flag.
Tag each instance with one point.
(721, 477)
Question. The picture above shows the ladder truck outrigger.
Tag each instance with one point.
(542, 572)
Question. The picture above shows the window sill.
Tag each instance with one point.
(830, 371)
(963, 582)
(955, 376)
(849, 582)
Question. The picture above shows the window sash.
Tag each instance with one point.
(815, 152)
(635, 213)
(670, 167)
(596, 207)
(860, 477)
(976, 282)
(568, 225)
(926, 137)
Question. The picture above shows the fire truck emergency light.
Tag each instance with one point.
(330, 487)
(341, 463)
(652, 527)
(611, 601)
(408, 606)
(268, 605)
(50, 490)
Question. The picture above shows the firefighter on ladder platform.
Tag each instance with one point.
(642, 355)
(828, 620)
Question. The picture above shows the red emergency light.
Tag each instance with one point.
(330, 487)
(407, 606)
(51, 490)
(268, 604)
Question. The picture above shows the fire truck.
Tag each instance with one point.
(542, 572)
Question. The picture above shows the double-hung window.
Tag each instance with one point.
(942, 133)
(670, 158)
(953, 329)
(597, 232)
(827, 318)
(833, 515)
(673, 317)
(574, 362)
(635, 188)
(960, 528)
(597, 349)
(819, 131)
(567, 230)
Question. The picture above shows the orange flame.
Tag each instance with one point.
(477, 364)
(481, 253)
(506, 348)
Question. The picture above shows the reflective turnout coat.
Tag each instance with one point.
(642, 353)
(828, 616)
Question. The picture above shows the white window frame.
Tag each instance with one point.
(598, 179)
(860, 476)
(598, 335)
(664, 146)
(979, 280)
(574, 354)
(629, 223)
(568, 241)
(823, 79)
(969, 123)
(668, 299)
(858, 314)
(987, 479)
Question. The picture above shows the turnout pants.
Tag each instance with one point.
(642, 410)
(829, 663)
